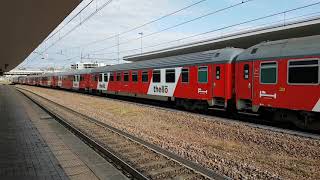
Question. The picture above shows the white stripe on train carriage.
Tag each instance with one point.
(162, 88)
(316, 108)
(103, 85)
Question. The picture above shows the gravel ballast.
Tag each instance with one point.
(228, 147)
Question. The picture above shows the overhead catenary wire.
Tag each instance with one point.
(127, 31)
(79, 24)
(71, 19)
(139, 26)
(168, 42)
(177, 25)
(74, 28)
(222, 28)
(284, 12)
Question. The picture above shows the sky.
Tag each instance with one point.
(97, 38)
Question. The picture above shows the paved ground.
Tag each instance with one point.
(34, 146)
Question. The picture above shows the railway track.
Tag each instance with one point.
(249, 119)
(137, 158)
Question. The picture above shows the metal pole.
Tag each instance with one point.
(141, 40)
(118, 43)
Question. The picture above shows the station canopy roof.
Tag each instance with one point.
(25, 24)
(245, 39)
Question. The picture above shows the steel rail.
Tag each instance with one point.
(208, 173)
(247, 119)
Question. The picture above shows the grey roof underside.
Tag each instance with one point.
(296, 47)
(227, 55)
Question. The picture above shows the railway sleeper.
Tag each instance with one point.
(128, 150)
(190, 176)
(153, 164)
(171, 171)
(143, 158)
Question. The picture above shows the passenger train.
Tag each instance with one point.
(275, 78)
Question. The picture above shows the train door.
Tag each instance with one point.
(244, 80)
(219, 80)
(244, 85)
(102, 81)
(75, 82)
(126, 79)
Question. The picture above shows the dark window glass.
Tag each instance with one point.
(185, 75)
(170, 75)
(254, 51)
(111, 77)
(218, 73)
(217, 55)
(118, 76)
(203, 74)
(94, 78)
(304, 72)
(106, 77)
(310, 62)
(156, 76)
(246, 71)
(134, 76)
(126, 76)
(145, 77)
(100, 77)
(82, 78)
(268, 73)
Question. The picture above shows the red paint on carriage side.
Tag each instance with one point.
(54, 83)
(93, 81)
(67, 82)
(281, 94)
(288, 96)
(85, 81)
(195, 89)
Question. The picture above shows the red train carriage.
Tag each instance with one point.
(193, 80)
(81, 80)
(281, 77)
(66, 80)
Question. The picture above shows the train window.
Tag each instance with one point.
(156, 77)
(303, 72)
(82, 78)
(134, 76)
(170, 75)
(126, 76)
(246, 71)
(118, 76)
(254, 50)
(268, 73)
(145, 77)
(185, 75)
(218, 73)
(94, 77)
(105, 77)
(111, 77)
(100, 77)
(203, 74)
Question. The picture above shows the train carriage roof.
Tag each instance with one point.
(225, 55)
(74, 72)
(296, 47)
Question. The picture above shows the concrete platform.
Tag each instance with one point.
(35, 146)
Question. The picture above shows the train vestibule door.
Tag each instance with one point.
(219, 80)
(244, 84)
